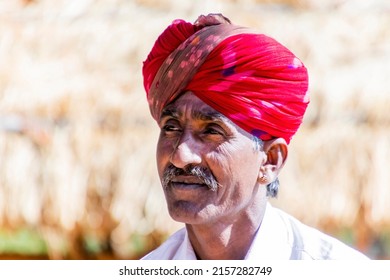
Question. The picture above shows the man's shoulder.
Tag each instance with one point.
(168, 249)
(310, 243)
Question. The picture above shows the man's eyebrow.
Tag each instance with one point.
(209, 116)
(170, 112)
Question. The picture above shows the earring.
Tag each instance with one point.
(263, 179)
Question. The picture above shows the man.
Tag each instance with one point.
(228, 101)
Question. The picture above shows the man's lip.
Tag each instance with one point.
(187, 186)
(187, 180)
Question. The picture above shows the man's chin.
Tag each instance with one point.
(188, 213)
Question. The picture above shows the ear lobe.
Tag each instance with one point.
(276, 151)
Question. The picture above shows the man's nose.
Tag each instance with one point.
(187, 152)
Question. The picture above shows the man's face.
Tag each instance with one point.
(226, 164)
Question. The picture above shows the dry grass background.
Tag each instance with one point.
(77, 143)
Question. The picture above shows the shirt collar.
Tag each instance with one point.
(270, 242)
(272, 239)
(185, 250)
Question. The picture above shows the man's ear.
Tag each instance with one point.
(276, 151)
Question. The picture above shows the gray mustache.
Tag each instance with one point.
(202, 173)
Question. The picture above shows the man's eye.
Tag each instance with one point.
(170, 128)
(213, 131)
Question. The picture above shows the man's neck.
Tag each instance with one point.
(225, 241)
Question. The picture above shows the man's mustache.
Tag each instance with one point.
(202, 173)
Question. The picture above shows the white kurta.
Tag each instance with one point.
(280, 237)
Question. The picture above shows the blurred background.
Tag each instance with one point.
(77, 166)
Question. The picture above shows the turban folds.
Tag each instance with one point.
(250, 78)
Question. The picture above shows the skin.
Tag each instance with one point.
(221, 224)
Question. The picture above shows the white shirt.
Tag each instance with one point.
(280, 237)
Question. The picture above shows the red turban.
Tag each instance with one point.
(250, 78)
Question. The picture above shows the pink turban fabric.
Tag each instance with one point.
(250, 78)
